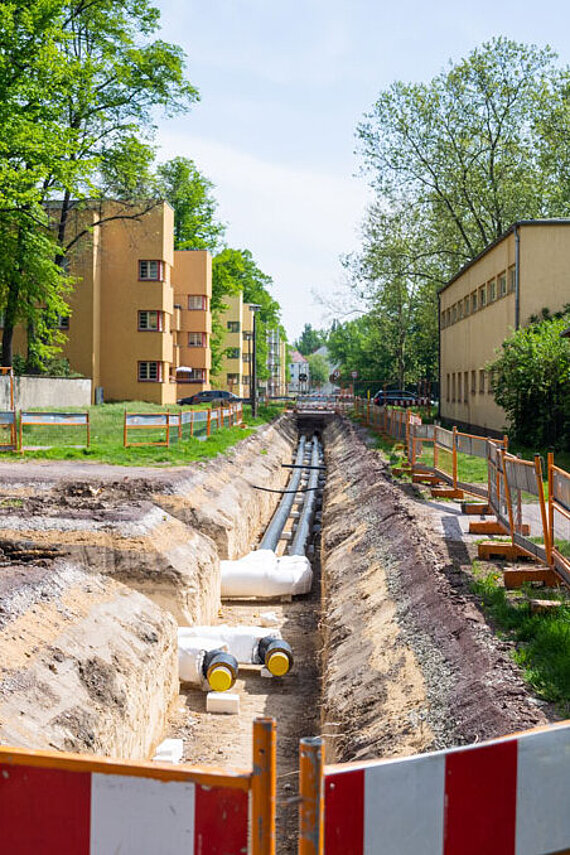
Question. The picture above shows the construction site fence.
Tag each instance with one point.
(166, 429)
(482, 467)
(494, 797)
(39, 430)
(52, 802)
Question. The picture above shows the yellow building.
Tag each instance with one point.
(192, 278)
(524, 271)
(235, 373)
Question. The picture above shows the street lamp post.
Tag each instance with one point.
(254, 307)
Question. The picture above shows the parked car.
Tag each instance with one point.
(209, 395)
(396, 397)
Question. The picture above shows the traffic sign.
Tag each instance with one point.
(354, 374)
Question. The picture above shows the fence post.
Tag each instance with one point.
(168, 428)
(263, 787)
(550, 504)
(312, 797)
(507, 487)
(545, 526)
(88, 430)
(209, 423)
(125, 431)
(191, 423)
(454, 458)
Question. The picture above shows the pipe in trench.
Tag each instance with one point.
(275, 528)
(303, 530)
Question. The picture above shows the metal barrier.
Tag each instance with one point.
(161, 428)
(49, 422)
(497, 797)
(8, 431)
(528, 520)
(559, 518)
(54, 802)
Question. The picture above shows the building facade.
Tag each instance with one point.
(298, 372)
(192, 277)
(275, 385)
(235, 374)
(513, 279)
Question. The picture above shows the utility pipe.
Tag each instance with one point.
(273, 533)
(304, 528)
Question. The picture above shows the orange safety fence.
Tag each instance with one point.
(40, 430)
(559, 518)
(158, 429)
(60, 802)
(8, 431)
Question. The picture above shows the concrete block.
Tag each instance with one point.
(169, 751)
(222, 702)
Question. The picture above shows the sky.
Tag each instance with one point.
(282, 89)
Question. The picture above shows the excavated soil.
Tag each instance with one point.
(409, 661)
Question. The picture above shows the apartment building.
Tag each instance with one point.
(525, 270)
(192, 280)
(298, 372)
(237, 320)
(275, 384)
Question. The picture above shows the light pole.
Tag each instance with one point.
(254, 307)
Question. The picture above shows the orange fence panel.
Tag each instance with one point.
(526, 506)
(49, 430)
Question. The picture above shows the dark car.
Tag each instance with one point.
(209, 395)
(395, 397)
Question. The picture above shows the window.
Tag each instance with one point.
(443, 320)
(482, 296)
(473, 382)
(465, 387)
(150, 372)
(196, 339)
(448, 387)
(481, 382)
(232, 378)
(465, 307)
(460, 310)
(150, 321)
(197, 303)
(246, 357)
(502, 285)
(459, 395)
(233, 326)
(512, 280)
(492, 290)
(491, 381)
(454, 313)
(453, 387)
(474, 301)
(247, 335)
(196, 375)
(150, 270)
(62, 322)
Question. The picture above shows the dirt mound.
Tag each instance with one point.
(410, 664)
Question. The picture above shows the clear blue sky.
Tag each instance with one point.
(282, 88)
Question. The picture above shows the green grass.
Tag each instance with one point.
(107, 439)
(542, 641)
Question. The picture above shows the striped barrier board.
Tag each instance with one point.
(54, 804)
(505, 797)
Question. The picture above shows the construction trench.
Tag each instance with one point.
(104, 569)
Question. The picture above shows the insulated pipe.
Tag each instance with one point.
(277, 524)
(304, 528)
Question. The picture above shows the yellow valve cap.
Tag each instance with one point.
(278, 663)
(220, 678)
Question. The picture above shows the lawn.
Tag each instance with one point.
(107, 438)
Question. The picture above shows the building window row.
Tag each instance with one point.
(195, 375)
(490, 292)
(459, 385)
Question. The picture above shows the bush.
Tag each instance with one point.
(531, 381)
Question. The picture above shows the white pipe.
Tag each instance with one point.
(191, 652)
(262, 575)
(241, 641)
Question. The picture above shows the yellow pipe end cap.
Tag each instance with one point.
(278, 664)
(220, 679)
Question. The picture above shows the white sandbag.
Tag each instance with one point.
(191, 651)
(262, 575)
(240, 641)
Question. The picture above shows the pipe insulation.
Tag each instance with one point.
(250, 645)
(262, 575)
(206, 662)
(303, 530)
(281, 515)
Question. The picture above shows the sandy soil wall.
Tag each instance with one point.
(409, 664)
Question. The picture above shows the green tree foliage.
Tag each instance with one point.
(79, 85)
(190, 194)
(318, 369)
(235, 270)
(357, 346)
(310, 340)
(452, 163)
(531, 381)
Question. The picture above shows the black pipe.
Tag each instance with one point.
(275, 528)
(304, 528)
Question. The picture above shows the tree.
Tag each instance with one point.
(190, 194)
(531, 381)
(453, 162)
(318, 369)
(310, 340)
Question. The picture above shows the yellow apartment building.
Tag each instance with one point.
(235, 373)
(192, 279)
(522, 272)
(277, 364)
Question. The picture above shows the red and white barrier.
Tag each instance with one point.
(506, 797)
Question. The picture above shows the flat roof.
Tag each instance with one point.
(559, 221)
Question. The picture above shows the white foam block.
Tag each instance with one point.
(265, 672)
(222, 702)
(169, 751)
